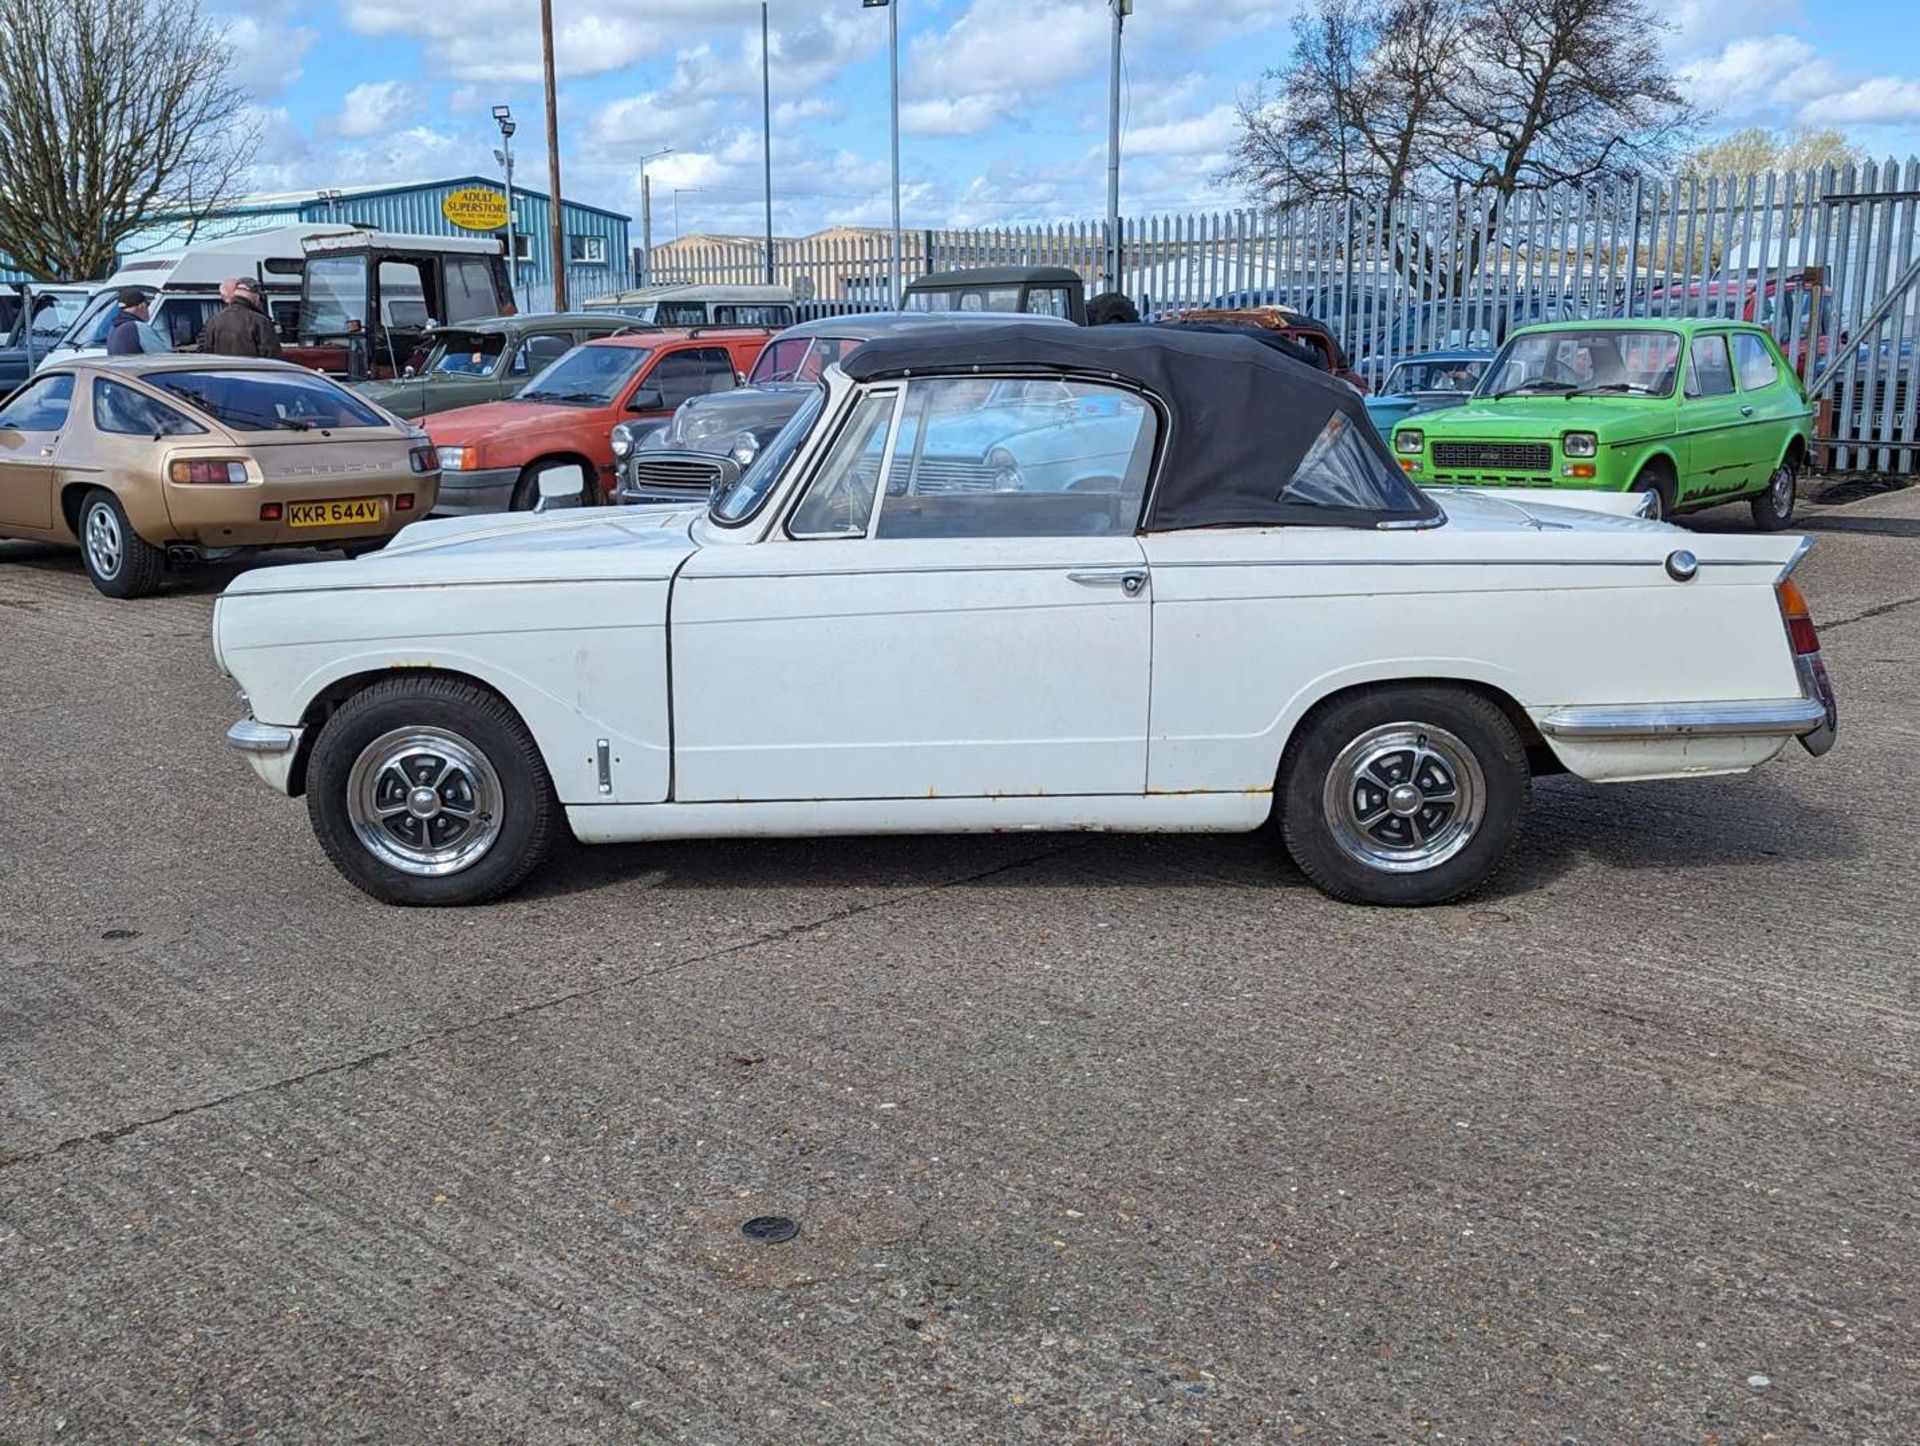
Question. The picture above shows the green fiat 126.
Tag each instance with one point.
(1695, 413)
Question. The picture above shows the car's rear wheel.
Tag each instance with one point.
(430, 791)
(121, 562)
(1773, 508)
(1403, 795)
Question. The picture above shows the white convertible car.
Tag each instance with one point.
(1021, 577)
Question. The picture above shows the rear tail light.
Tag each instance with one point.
(270, 511)
(403, 503)
(424, 459)
(1795, 613)
(204, 472)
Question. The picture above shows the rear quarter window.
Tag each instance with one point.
(268, 401)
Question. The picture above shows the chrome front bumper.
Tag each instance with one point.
(250, 735)
(270, 748)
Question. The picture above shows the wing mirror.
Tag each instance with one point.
(561, 487)
(647, 399)
(723, 482)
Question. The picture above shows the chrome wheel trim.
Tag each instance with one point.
(106, 547)
(1783, 484)
(1404, 797)
(424, 801)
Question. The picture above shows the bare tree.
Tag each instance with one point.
(1358, 110)
(1756, 149)
(1564, 91)
(120, 114)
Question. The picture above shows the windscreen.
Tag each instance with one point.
(267, 401)
(335, 294)
(587, 375)
(1594, 362)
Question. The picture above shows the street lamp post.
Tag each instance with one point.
(503, 116)
(766, 123)
(1121, 10)
(646, 214)
(893, 96)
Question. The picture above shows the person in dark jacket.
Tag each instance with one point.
(123, 337)
(241, 328)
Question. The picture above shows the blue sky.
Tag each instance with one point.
(1004, 101)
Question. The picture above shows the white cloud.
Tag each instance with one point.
(1201, 135)
(963, 115)
(375, 106)
(267, 49)
(1884, 100)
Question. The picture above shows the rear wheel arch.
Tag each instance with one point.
(1540, 755)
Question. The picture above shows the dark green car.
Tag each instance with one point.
(484, 361)
(1696, 412)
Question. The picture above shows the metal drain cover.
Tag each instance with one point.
(770, 1229)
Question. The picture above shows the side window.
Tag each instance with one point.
(469, 289)
(752, 315)
(693, 373)
(1047, 301)
(40, 406)
(978, 458)
(680, 313)
(124, 412)
(182, 319)
(1709, 373)
(539, 351)
(840, 500)
(1754, 361)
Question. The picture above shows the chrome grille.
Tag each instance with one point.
(1494, 456)
(675, 474)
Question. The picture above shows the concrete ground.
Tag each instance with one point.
(1095, 1139)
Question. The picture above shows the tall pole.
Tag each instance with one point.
(646, 223)
(893, 92)
(513, 245)
(766, 123)
(1120, 9)
(556, 228)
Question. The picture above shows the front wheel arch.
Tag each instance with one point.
(329, 699)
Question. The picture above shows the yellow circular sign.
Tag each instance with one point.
(475, 208)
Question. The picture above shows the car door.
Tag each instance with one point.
(1769, 403)
(924, 624)
(31, 424)
(1717, 440)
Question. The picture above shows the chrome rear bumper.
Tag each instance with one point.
(1782, 717)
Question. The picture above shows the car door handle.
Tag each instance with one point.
(1130, 580)
(1746, 411)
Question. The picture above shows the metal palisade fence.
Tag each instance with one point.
(1827, 259)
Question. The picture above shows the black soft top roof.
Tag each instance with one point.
(1241, 416)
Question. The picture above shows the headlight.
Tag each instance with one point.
(1006, 472)
(622, 441)
(1580, 444)
(1409, 439)
(453, 459)
(745, 448)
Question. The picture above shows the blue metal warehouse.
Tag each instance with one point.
(599, 259)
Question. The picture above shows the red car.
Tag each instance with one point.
(1784, 307)
(491, 455)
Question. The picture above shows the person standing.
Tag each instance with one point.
(123, 337)
(242, 328)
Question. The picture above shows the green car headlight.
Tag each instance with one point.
(1409, 439)
(1580, 444)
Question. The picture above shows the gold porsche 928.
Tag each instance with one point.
(146, 461)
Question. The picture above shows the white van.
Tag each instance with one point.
(703, 305)
(185, 287)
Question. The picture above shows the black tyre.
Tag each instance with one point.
(121, 563)
(430, 791)
(1404, 794)
(1773, 508)
(1659, 481)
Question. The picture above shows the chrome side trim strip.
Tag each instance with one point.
(250, 736)
(1788, 717)
(1800, 551)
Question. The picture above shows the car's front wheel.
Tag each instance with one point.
(121, 562)
(1403, 795)
(430, 791)
(1773, 508)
